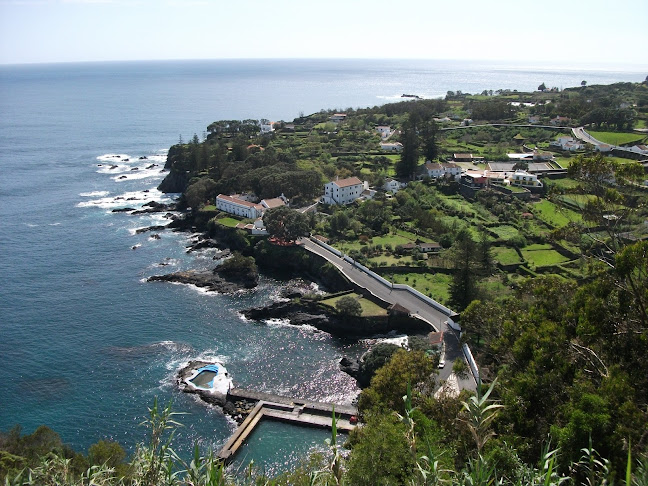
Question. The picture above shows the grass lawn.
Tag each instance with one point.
(617, 138)
(506, 255)
(505, 231)
(542, 255)
(369, 309)
(434, 285)
(229, 222)
(554, 215)
(209, 208)
(564, 162)
(393, 240)
(392, 261)
(565, 183)
(578, 199)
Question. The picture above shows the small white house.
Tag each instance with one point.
(392, 147)
(275, 202)
(524, 179)
(343, 191)
(567, 143)
(392, 185)
(384, 130)
(266, 126)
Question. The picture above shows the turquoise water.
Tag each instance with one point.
(85, 342)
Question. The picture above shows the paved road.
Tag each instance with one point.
(416, 306)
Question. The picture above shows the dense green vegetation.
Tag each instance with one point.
(552, 290)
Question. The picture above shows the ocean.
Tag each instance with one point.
(85, 343)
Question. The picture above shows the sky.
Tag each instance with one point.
(563, 32)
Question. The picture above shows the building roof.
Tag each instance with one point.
(275, 202)
(239, 201)
(350, 181)
(433, 166)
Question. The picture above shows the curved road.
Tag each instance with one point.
(416, 306)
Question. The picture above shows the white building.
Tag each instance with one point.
(337, 117)
(343, 191)
(383, 130)
(392, 147)
(446, 169)
(567, 143)
(239, 207)
(275, 202)
(524, 179)
(393, 185)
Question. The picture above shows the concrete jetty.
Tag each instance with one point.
(291, 410)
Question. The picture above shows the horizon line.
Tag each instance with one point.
(524, 63)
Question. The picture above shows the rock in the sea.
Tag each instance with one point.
(211, 280)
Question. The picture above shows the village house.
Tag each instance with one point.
(524, 179)
(446, 169)
(383, 130)
(567, 143)
(343, 191)
(534, 119)
(542, 156)
(256, 228)
(560, 121)
(338, 117)
(391, 146)
(392, 185)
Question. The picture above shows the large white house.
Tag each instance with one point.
(446, 169)
(343, 191)
(524, 179)
(239, 207)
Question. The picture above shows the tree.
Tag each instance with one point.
(389, 384)
(286, 224)
(542, 87)
(348, 306)
(199, 193)
(583, 83)
(463, 288)
(406, 167)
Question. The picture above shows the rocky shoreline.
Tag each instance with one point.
(216, 280)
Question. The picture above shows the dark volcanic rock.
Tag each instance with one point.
(123, 210)
(207, 243)
(150, 228)
(211, 280)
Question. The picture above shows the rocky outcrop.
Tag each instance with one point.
(155, 207)
(175, 181)
(215, 280)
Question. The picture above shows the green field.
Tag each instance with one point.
(542, 255)
(506, 255)
(554, 215)
(617, 138)
(229, 222)
(434, 285)
(505, 232)
(369, 309)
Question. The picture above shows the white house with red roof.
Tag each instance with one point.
(343, 191)
(239, 207)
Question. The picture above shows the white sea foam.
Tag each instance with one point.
(274, 322)
(31, 225)
(94, 194)
(54, 224)
(126, 199)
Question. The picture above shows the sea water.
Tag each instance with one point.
(86, 344)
